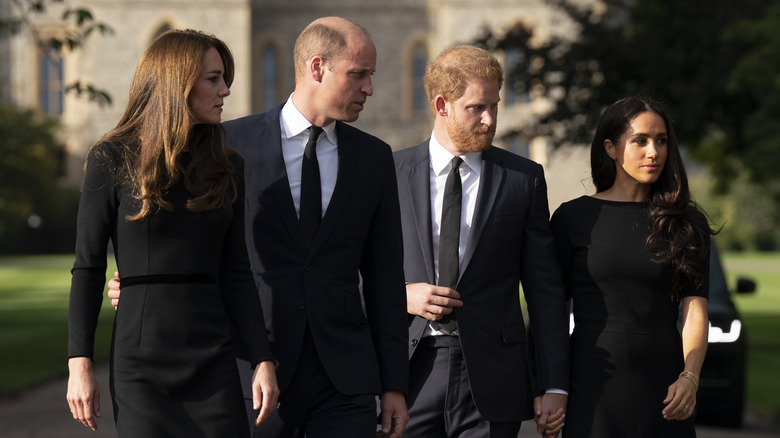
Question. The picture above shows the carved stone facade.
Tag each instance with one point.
(261, 34)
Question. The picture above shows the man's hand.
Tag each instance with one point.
(431, 302)
(549, 414)
(265, 391)
(113, 290)
(394, 414)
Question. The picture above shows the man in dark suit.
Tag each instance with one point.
(311, 245)
(332, 357)
(469, 375)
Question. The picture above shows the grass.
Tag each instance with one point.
(33, 319)
(761, 315)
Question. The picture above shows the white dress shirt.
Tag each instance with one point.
(295, 134)
(440, 160)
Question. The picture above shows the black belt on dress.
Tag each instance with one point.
(167, 279)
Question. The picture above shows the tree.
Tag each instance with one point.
(36, 213)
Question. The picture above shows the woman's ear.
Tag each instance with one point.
(610, 149)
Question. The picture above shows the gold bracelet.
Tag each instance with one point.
(692, 377)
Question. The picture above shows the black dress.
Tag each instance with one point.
(185, 279)
(626, 348)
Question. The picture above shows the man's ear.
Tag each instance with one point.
(441, 105)
(317, 68)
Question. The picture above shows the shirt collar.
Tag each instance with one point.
(294, 123)
(441, 157)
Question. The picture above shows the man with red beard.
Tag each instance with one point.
(475, 225)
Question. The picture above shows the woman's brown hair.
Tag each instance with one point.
(158, 126)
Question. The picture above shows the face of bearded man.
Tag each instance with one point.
(471, 119)
(467, 139)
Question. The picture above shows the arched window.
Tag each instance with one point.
(419, 62)
(51, 90)
(270, 78)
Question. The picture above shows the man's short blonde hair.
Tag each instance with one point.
(448, 74)
(326, 37)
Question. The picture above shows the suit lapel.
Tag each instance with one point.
(348, 166)
(270, 139)
(418, 176)
(492, 176)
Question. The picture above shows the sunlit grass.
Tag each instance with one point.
(33, 319)
(761, 314)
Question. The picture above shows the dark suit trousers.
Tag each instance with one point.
(311, 406)
(440, 401)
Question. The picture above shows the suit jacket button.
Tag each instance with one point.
(301, 305)
(414, 342)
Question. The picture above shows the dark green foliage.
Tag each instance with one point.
(37, 214)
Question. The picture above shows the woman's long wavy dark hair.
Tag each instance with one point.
(679, 229)
(157, 127)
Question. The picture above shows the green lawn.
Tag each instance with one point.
(761, 315)
(33, 319)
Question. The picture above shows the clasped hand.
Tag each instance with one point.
(431, 302)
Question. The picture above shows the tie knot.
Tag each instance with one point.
(456, 162)
(314, 133)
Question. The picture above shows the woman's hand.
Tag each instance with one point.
(83, 394)
(680, 400)
(265, 391)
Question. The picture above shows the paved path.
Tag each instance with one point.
(42, 412)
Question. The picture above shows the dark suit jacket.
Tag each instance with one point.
(510, 240)
(359, 238)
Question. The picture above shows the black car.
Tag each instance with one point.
(721, 396)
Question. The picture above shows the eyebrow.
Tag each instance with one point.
(644, 134)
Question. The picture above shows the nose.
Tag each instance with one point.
(225, 91)
(368, 86)
(652, 150)
(489, 117)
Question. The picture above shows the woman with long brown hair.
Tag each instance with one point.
(632, 254)
(166, 191)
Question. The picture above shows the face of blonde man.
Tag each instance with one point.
(471, 119)
(346, 82)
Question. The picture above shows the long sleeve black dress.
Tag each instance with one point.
(185, 279)
(626, 348)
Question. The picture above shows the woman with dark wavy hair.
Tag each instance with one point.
(632, 254)
(166, 191)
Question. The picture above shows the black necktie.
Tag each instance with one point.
(449, 235)
(311, 190)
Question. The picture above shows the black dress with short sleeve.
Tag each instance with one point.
(626, 348)
(186, 284)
